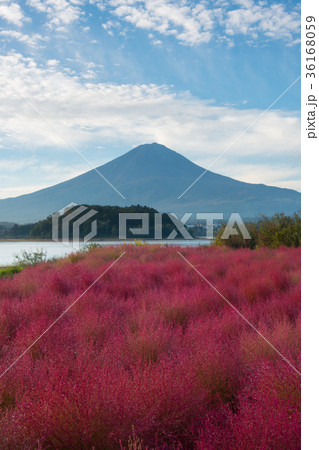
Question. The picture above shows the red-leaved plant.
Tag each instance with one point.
(151, 356)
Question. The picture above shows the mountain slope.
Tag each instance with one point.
(155, 176)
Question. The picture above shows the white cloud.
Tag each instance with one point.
(61, 13)
(193, 23)
(252, 19)
(53, 62)
(274, 175)
(21, 190)
(32, 40)
(18, 177)
(12, 13)
(93, 114)
(101, 4)
(190, 23)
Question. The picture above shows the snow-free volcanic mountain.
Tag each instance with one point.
(153, 175)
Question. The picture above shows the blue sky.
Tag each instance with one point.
(110, 75)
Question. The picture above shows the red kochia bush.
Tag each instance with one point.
(152, 356)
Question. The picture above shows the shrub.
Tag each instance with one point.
(9, 271)
(30, 258)
(267, 232)
(280, 230)
(151, 356)
(91, 246)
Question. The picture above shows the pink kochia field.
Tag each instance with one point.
(151, 356)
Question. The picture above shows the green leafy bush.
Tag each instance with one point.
(89, 247)
(9, 271)
(267, 232)
(30, 258)
(237, 241)
(280, 230)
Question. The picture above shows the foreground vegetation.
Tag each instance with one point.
(23, 260)
(270, 232)
(151, 356)
(9, 271)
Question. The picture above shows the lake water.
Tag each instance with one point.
(9, 249)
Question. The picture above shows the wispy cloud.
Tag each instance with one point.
(253, 19)
(32, 40)
(281, 175)
(60, 13)
(190, 23)
(22, 175)
(193, 23)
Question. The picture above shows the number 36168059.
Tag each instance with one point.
(310, 46)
